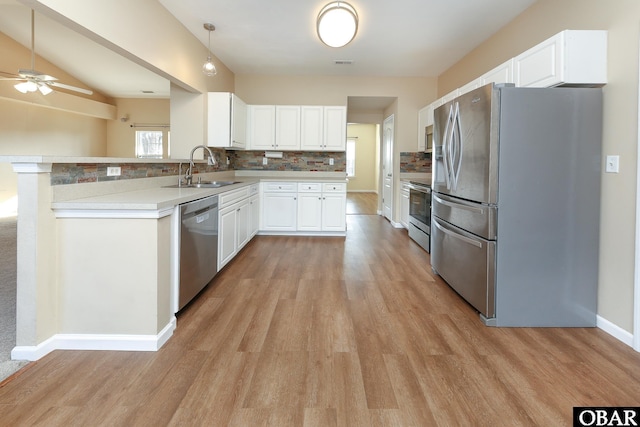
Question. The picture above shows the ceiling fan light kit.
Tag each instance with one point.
(209, 69)
(337, 24)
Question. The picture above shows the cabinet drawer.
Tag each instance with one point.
(229, 197)
(309, 187)
(338, 187)
(254, 189)
(275, 187)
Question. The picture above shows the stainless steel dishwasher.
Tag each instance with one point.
(198, 247)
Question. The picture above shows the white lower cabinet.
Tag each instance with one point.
(254, 214)
(322, 206)
(404, 205)
(334, 212)
(304, 207)
(279, 206)
(309, 211)
(227, 235)
(236, 221)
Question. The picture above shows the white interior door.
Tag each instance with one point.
(387, 168)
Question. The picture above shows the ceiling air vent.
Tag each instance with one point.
(343, 61)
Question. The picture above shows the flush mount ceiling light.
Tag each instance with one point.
(337, 24)
(208, 68)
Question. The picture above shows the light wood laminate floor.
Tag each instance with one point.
(362, 203)
(355, 331)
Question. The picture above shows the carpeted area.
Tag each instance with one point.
(8, 232)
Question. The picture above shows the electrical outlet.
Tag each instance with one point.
(613, 164)
(265, 161)
(113, 171)
(330, 161)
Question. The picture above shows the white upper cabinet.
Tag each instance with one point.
(294, 127)
(262, 127)
(571, 57)
(312, 127)
(576, 57)
(324, 128)
(503, 73)
(335, 128)
(287, 127)
(226, 120)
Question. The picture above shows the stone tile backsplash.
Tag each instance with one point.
(74, 173)
(308, 161)
(415, 162)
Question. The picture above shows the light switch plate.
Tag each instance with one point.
(113, 171)
(613, 164)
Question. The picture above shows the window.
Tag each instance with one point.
(149, 144)
(351, 157)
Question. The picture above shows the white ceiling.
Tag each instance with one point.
(398, 38)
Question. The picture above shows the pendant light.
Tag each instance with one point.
(337, 24)
(208, 68)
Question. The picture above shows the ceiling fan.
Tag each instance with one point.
(32, 80)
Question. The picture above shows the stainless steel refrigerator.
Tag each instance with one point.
(516, 203)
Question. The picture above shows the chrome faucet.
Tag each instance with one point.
(211, 162)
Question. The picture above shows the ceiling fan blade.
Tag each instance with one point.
(10, 75)
(69, 87)
(11, 78)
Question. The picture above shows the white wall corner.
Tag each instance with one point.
(95, 342)
(614, 330)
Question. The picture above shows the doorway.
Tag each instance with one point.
(387, 167)
(374, 110)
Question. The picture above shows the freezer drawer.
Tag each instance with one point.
(466, 262)
(473, 217)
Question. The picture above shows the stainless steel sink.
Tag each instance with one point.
(204, 184)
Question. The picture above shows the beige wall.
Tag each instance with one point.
(121, 136)
(622, 20)
(31, 130)
(366, 149)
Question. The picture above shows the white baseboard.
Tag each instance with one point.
(396, 224)
(615, 331)
(95, 342)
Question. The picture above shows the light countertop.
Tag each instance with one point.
(161, 198)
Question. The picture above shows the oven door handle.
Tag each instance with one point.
(420, 189)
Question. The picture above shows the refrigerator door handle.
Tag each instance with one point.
(458, 205)
(446, 153)
(455, 146)
(457, 236)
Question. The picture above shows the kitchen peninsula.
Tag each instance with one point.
(96, 259)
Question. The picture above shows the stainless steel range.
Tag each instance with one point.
(420, 213)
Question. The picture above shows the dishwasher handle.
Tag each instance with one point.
(198, 207)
